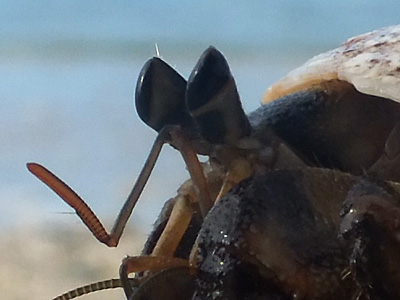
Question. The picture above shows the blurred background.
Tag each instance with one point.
(68, 70)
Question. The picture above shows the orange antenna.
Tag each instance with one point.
(88, 216)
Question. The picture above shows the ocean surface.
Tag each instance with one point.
(68, 71)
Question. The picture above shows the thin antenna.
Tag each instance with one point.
(157, 50)
(95, 287)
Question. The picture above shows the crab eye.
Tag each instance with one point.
(160, 95)
(213, 101)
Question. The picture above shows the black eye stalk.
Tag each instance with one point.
(160, 95)
(209, 103)
(213, 101)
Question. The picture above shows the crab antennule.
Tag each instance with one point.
(213, 100)
(160, 95)
(72, 199)
(84, 211)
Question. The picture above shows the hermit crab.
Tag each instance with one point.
(298, 200)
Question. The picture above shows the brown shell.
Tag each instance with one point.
(370, 62)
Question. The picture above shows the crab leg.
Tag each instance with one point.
(370, 223)
(194, 167)
(162, 256)
(177, 224)
(387, 166)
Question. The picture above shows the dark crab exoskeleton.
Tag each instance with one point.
(298, 199)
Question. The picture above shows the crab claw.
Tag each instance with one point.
(160, 95)
(213, 101)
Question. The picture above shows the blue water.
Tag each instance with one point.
(68, 71)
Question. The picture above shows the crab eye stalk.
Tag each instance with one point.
(160, 95)
(213, 101)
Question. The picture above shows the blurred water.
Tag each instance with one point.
(68, 71)
(67, 75)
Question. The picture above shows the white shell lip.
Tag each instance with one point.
(370, 62)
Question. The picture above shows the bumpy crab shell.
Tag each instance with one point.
(370, 62)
